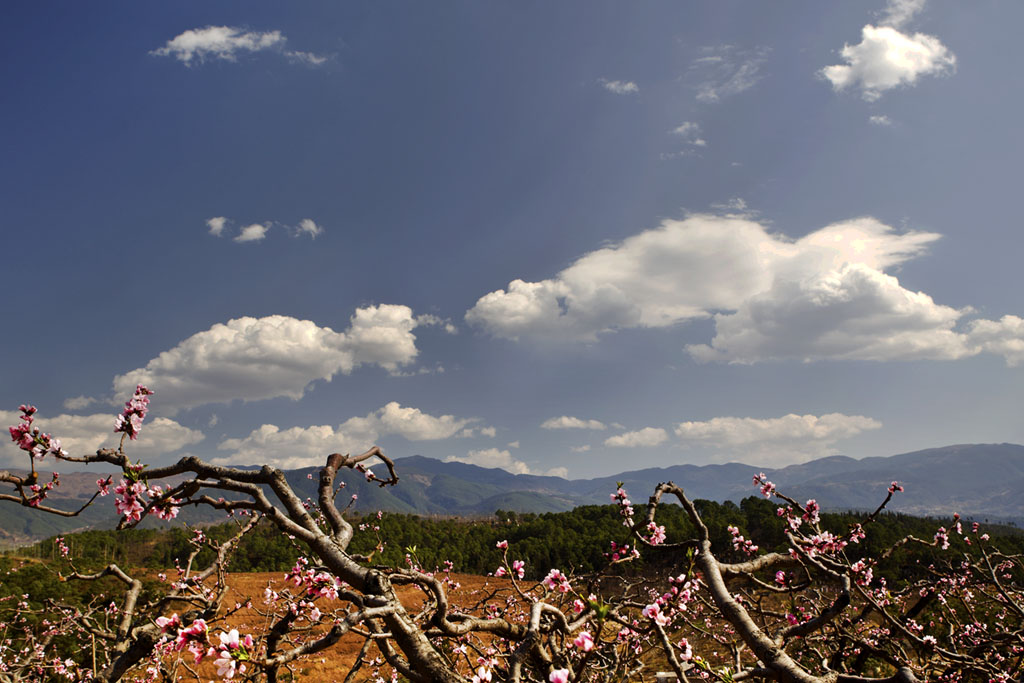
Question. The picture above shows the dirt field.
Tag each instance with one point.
(334, 663)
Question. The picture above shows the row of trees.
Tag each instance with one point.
(579, 540)
(821, 604)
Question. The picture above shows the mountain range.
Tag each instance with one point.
(980, 481)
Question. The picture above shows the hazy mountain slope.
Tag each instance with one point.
(976, 480)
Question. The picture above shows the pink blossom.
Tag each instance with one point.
(226, 666)
(167, 623)
(229, 639)
(653, 611)
(193, 633)
(130, 420)
(686, 653)
(129, 506)
(740, 543)
(767, 488)
(584, 641)
(559, 676)
(501, 545)
(863, 571)
(557, 580)
(811, 510)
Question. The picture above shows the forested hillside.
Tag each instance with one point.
(579, 540)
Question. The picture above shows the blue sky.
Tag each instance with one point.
(570, 239)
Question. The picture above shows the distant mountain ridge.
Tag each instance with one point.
(980, 481)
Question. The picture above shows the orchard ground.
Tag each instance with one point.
(334, 663)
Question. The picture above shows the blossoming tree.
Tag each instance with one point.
(810, 612)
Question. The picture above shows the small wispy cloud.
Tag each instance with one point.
(79, 402)
(689, 133)
(647, 437)
(787, 439)
(305, 57)
(256, 232)
(619, 87)
(569, 422)
(880, 120)
(308, 227)
(474, 432)
(493, 458)
(899, 12)
(726, 70)
(734, 207)
(226, 43)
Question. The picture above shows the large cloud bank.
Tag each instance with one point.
(827, 295)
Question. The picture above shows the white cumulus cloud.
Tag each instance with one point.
(220, 42)
(252, 233)
(307, 446)
(679, 271)
(84, 434)
(216, 225)
(826, 295)
(290, 448)
(259, 358)
(226, 43)
(495, 458)
(1004, 337)
(567, 422)
(776, 441)
(642, 438)
(854, 312)
(408, 422)
(885, 59)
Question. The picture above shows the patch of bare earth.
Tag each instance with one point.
(334, 663)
